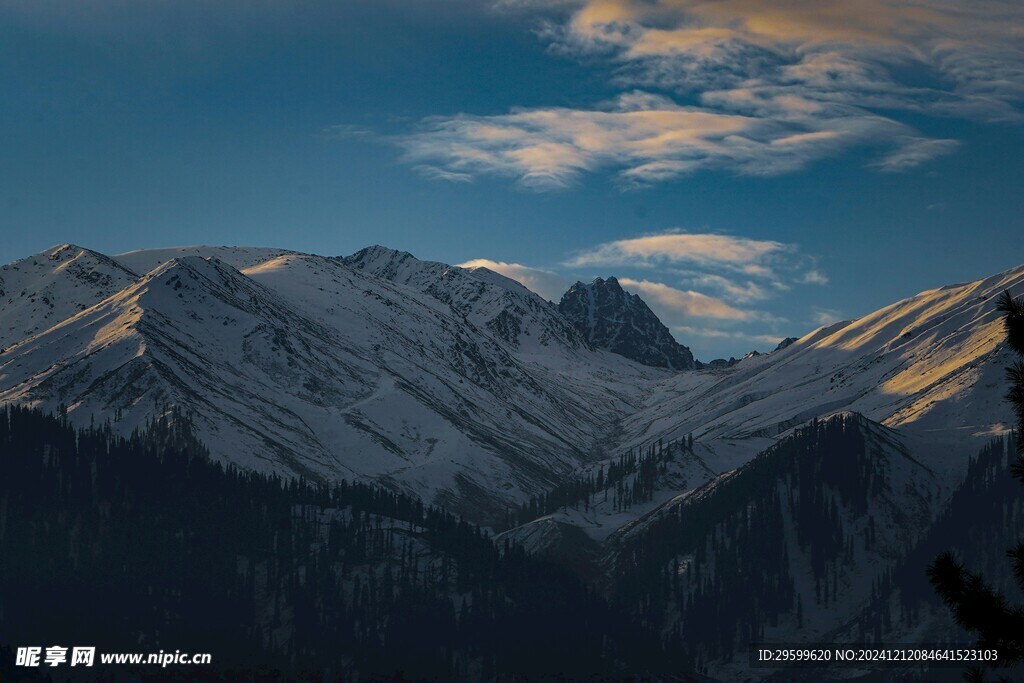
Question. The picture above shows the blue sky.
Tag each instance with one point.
(752, 168)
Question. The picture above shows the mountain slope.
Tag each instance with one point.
(931, 365)
(980, 522)
(611, 318)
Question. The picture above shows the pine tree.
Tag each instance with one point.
(975, 605)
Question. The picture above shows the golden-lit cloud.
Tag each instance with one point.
(678, 247)
(771, 86)
(646, 138)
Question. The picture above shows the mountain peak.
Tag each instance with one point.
(39, 291)
(377, 255)
(613, 319)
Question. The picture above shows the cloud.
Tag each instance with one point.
(713, 333)
(827, 44)
(644, 138)
(681, 247)
(741, 268)
(549, 285)
(675, 302)
(771, 86)
(442, 174)
(813, 277)
(738, 290)
(913, 152)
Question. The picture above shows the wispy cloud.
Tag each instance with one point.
(549, 285)
(438, 173)
(813, 277)
(914, 152)
(773, 85)
(738, 290)
(347, 131)
(681, 247)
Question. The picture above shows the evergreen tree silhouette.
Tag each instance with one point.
(976, 605)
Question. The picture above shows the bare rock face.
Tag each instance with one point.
(612, 319)
(785, 343)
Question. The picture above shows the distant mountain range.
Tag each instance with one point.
(460, 385)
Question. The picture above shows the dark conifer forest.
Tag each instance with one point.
(144, 543)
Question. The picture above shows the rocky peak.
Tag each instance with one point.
(785, 343)
(611, 318)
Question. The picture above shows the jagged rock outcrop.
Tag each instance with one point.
(613, 319)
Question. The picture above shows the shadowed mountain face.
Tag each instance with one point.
(613, 319)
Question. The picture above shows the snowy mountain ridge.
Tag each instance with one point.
(305, 365)
(459, 385)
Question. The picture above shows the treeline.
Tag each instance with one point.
(143, 543)
(629, 480)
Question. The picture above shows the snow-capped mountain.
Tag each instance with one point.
(613, 319)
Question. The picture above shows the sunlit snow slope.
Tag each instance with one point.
(931, 366)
